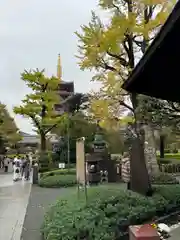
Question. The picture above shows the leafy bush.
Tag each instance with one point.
(15, 155)
(167, 150)
(164, 178)
(115, 157)
(44, 162)
(163, 161)
(57, 181)
(172, 156)
(107, 214)
(175, 150)
(71, 171)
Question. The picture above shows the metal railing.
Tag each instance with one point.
(170, 168)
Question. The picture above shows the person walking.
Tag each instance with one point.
(125, 169)
(6, 164)
(22, 166)
(1, 161)
(16, 173)
(27, 168)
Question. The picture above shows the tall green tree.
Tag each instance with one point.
(39, 105)
(9, 134)
(111, 50)
(77, 125)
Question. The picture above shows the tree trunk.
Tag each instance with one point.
(150, 150)
(162, 140)
(43, 142)
(140, 181)
(43, 159)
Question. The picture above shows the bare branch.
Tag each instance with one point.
(126, 48)
(117, 8)
(129, 49)
(151, 10)
(36, 122)
(122, 103)
(51, 128)
(107, 67)
(118, 57)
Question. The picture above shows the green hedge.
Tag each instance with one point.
(171, 156)
(57, 181)
(163, 161)
(108, 213)
(164, 178)
(71, 171)
(44, 162)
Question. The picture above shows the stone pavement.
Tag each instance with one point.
(39, 201)
(175, 234)
(13, 203)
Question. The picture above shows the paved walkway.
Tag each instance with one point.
(13, 203)
(175, 234)
(39, 201)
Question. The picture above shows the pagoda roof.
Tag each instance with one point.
(65, 82)
(29, 138)
(157, 73)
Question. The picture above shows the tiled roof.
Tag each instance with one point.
(30, 139)
(34, 139)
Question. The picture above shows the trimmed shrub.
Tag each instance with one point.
(71, 171)
(57, 181)
(163, 161)
(164, 178)
(43, 162)
(175, 150)
(169, 156)
(167, 150)
(108, 213)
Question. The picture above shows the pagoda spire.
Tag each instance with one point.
(59, 68)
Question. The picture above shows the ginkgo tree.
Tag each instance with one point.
(39, 105)
(111, 48)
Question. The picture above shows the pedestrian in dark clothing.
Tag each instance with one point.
(27, 168)
(6, 163)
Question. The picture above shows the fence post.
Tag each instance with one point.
(35, 174)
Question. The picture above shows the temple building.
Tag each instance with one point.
(66, 90)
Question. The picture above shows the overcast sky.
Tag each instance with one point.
(32, 33)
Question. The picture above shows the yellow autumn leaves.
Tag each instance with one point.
(104, 48)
